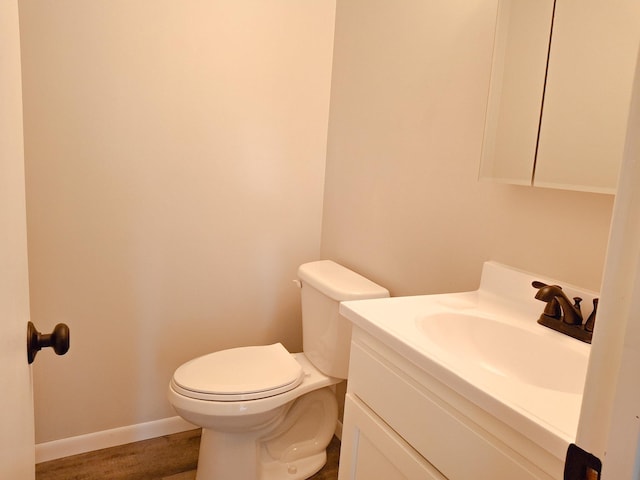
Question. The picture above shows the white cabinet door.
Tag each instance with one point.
(587, 95)
(17, 455)
(372, 451)
(521, 46)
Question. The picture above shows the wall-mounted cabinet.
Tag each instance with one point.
(561, 85)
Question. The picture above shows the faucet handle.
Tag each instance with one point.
(576, 302)
(591, 321)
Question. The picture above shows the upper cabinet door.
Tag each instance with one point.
(591, 69)
(559, 102)
(520, 51)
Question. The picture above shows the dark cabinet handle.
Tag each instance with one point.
(58, 340)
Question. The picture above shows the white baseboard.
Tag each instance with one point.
(110, 438)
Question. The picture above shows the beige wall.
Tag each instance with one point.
(402, 201)
(175, 164)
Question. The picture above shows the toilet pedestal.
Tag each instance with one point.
(292, 446)
(238, 451)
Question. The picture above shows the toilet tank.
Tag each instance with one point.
(326, 335)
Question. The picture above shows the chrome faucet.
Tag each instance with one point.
(563, 316)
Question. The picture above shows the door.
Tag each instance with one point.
(610, 416)
(17, 457)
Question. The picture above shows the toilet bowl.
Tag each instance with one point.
(265, 413)
(264, 435)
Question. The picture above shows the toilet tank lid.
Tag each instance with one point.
(338, 282)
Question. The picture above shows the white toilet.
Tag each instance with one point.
(265, 413)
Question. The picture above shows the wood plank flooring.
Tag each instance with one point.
(172, 457)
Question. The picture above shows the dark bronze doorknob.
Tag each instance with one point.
(58, 340)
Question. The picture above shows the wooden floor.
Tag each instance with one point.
(172, 457)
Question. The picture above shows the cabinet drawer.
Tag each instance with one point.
(454, 444)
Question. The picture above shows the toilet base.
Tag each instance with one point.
(296, 470)
(243, 463)
(225, 456)
(292, 448)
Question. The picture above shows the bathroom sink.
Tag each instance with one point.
(506, 350)
(487, 346)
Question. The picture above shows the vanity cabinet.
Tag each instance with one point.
(402, 423)
(561, 84)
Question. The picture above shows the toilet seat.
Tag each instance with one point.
(244, 373)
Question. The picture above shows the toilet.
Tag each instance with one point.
(265, 413)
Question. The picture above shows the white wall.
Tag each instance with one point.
(402, 201)
(175, 164)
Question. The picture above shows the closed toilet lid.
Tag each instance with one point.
(244, 373)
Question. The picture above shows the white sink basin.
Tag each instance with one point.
(506, 350)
